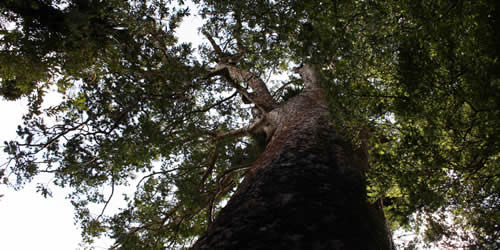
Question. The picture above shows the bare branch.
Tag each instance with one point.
(216, 47)
(245, 131)
(153, 174)
(237, 35)
(280, 89)
(260, 96)
(228, 171)
(225, 73)
(223, 187)
(215, 104)
(109, 198)
(53, 140)
(211, 165)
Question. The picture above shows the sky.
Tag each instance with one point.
(30, 221)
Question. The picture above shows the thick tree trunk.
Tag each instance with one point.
(304, 192)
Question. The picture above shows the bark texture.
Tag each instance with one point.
(304, 192)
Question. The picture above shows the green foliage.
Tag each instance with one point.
(138, 108)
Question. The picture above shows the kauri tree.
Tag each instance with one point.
(383, 107)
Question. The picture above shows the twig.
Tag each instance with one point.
(240, 132)
(109, 199)
(216, 47)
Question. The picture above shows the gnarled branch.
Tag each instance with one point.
(245, 131)
(260, 96)
(216, 47)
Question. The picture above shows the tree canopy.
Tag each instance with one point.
(417, 81)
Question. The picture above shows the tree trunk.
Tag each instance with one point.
(304, 192)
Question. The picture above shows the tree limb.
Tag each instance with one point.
(245, 131)
(216, 47)
(237, 35)
(260, 96)
(109, 198)
(242, 91)
(210, 165)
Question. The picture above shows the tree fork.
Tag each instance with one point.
(261, 96)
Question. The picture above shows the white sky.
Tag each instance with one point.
(29, 221)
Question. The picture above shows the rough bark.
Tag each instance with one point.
(304, 192)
